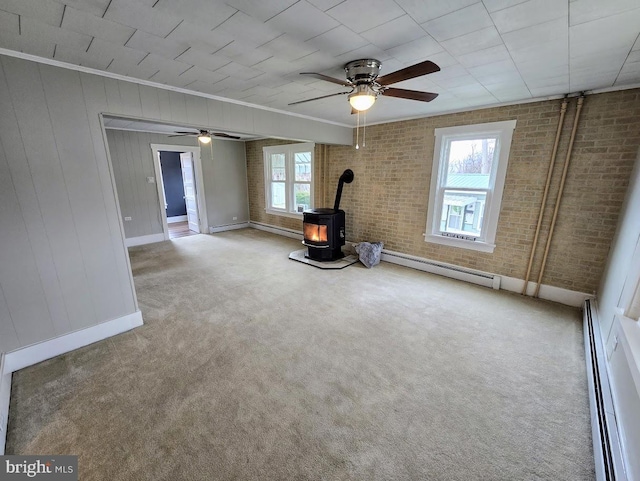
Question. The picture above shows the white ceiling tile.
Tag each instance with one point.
(45, 11)
(88, 24)
(68, 54)
(337, 41)
(94, 7)
(455, 82)
(103, 49)
(368, 51)
(420, 49)
(302, 21)
(243, 53)
(581, 11)
(504, 69)
(422, 11)
(204, 13)
(26, 43)
(203, 59)
(596, 36)
(486, 56)
(472, 42)
(509, 91)
(9, 24)
(242, 26)
(238, 71)
(443, 59)
(532, 12)
(276, 66)
(494, 5)
(133, 14)
(155, 62)
(200, 38)
(197, 74)
(461, 22)
(361, 15)
(146, 42)
(260, 9)
(396, 32)
(287, 48)
(529, 38)
(44, 33)
(559, 89)
(123, 66)
(325, 5)
(472, 91)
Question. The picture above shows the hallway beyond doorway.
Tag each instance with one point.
(180, 229)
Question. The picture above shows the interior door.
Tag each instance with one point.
(189, 180)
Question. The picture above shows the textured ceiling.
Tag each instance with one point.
(490, 51)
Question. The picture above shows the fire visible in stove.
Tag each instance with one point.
(324, 229)
(314, 232)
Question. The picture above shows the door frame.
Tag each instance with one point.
(200, 196)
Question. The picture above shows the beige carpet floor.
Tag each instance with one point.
(251, 366)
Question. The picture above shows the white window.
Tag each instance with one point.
(469, 168)
(288, 174)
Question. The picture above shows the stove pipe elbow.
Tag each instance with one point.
(345, 178)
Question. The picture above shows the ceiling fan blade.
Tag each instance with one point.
(183, 134)
(409, 94)
(225, 135)
(417, 70)
(318, 98)
(320, 76)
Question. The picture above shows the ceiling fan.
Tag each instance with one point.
(204, 136)
(366, 85)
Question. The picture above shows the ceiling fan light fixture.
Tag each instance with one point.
(204, 137)
(363, 98)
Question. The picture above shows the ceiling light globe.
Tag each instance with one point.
(362, 100)
(205, 139)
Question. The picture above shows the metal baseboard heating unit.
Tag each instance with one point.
(607, 452)
(469, 275)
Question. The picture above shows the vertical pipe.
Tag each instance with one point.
(560, 191)
(563, 111)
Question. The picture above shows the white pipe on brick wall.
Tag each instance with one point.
(563, 111)
(560, 191)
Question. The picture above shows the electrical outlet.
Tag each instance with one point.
(235, 217)
(127, 218)
(151, 180)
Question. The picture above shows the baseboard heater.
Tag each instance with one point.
(469, 275)
(607, 454)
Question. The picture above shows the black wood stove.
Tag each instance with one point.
(324, 232)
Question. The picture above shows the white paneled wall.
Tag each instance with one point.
(63, 263)
(224, 175)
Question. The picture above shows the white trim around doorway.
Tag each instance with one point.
(197, 163)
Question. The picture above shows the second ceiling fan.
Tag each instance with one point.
(366, 85)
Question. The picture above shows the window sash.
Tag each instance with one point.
(502, 132)
(289, 151)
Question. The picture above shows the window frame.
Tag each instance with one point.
(503, 132)
(289, 151)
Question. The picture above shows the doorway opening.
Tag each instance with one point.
(179, 171)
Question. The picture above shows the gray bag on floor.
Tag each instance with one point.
(369, 253)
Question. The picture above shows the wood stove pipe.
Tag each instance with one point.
(346, 177)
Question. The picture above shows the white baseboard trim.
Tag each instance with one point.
(223, 228)
(41, 351)
(488, 279)
(5, 397)
(177, 218)
(294, 234)
(145, 239)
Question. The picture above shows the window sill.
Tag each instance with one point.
(284, 213)
(461, 243)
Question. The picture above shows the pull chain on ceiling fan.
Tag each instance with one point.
(365, 83)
